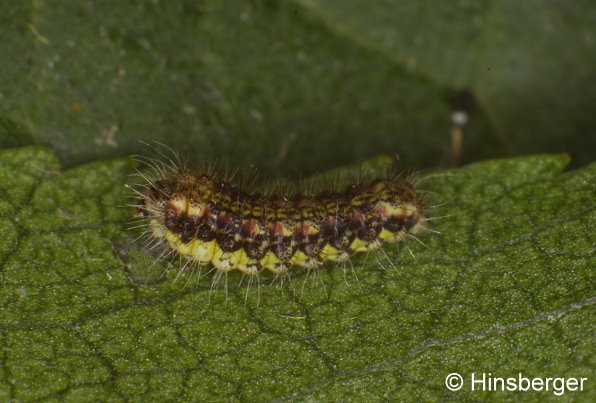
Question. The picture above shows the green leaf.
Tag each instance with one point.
(278, 84)
(507, 287)
(525, 63)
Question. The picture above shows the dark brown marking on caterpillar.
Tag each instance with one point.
(208, 221)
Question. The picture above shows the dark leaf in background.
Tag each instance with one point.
(299, 86)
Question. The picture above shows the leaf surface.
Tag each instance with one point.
(506, 287)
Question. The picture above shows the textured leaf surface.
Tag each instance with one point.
(507, 287)
(268, 82)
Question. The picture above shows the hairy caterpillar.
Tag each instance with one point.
(207, 220)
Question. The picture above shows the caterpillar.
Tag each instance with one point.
(207, 220)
